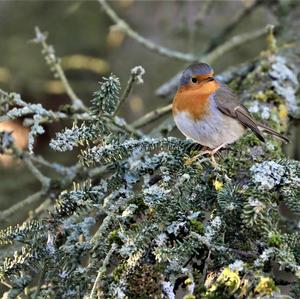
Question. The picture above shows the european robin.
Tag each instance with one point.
(208, 112)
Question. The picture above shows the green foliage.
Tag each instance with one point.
(21, 233)
(105, 99)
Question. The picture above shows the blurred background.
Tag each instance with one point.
(91, 47)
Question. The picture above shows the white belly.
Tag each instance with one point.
(210, 131)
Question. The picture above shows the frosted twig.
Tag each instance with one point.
(187, 57)
(54, 62)
(15, 99)
(57, 116)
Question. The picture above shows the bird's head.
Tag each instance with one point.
(198, 76)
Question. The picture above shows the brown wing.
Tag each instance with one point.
(229, 104)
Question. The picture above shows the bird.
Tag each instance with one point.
(210, 113)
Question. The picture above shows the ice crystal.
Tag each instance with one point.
(137, 73)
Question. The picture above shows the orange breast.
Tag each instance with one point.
(194, 100)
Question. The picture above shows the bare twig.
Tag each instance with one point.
(58, 168)
(187, 57)
(235, 42)
(45, 181)
(130, 130)
(27, 202)
(165, 127)
(136, 75)
(125, 94)
(40, 281)
(205, 268)
(55, 64)
(4, 93)
(151, 116)
(170, 86)
(6, 284)
(206, 4)
(102, 270)
(39, 210)
(123, 126)
(236, 19)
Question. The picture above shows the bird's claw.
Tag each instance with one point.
(190, 161)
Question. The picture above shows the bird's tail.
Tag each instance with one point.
(270, 131)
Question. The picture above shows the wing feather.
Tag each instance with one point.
(229, 104)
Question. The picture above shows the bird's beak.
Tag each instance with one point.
(209, 79)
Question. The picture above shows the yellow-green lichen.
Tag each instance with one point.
(188, 281)
(218, 185)
(118, 271)
(228, 281)
(266, 286)
(197, 226)
(274, 240)
(113, 237)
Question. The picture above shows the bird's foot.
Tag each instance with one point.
(204, 151)
(212, 153)
(190, 161)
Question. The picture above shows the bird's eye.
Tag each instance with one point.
(194, 80)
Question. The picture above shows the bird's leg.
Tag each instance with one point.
(204, 152)
(213, 152)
